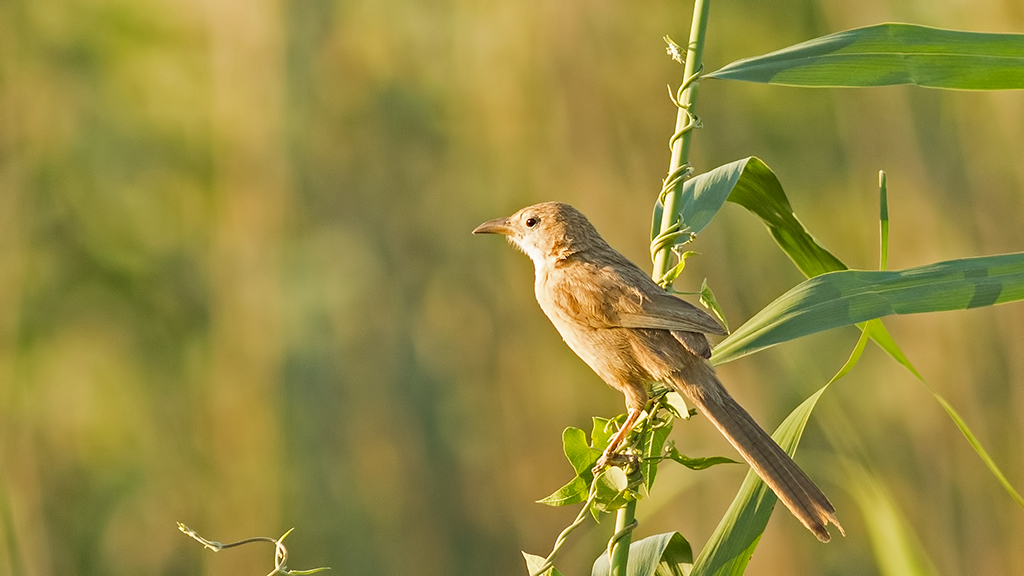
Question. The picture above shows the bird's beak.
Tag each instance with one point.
(496, 226)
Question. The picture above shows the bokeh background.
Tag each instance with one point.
(238, 287)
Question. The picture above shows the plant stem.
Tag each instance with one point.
(625, 517)
(681, 145)
(619, 554)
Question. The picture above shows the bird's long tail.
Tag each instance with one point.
(796, 490)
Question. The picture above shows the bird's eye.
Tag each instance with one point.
(531, 222)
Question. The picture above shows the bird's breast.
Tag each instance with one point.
(577, 315)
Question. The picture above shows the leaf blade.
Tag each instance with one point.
(891, 54)
(850, 297)
(666, 554)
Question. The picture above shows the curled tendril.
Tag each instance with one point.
(620, 535)
(635, 478)
(670, 236)
(280, 553)
(677, 98)
(550, 560)
(672, 180)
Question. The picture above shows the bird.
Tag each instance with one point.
(632, 332)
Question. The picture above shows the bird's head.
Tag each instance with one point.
(545, 232)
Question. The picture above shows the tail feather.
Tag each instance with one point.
(796, 490)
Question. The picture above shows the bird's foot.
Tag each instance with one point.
(625, 461)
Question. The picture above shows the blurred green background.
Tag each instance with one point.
(238, 287)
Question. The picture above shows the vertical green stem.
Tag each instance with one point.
(883, 219)
(619, 556)
(681, 146)
(619, 553)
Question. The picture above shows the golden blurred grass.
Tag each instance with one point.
(239, 288)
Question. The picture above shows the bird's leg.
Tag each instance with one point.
(609, 452)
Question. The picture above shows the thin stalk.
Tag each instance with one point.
(681, 144)
(618, 556)
(883, 219)
(625, 519)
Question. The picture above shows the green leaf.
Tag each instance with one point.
(698, 463)
(662, 555)
(767, 200)
(854, 296)
(604, 430)
(534, 563)
(612, 490)
(733, 542)
(677, 404)
(574, 492)
(707, 298)
(580, 454)
(702, 196)
(582, 458)
(761, 193)
(652, 447)
(752, 184)
(976, 444)
(883, 221)
(882, 338)
(670, 277)
(891, 54)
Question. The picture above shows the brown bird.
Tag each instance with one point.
(632, 332)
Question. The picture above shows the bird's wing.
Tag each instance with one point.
(620, 295)
(666, 312)
(640, 303)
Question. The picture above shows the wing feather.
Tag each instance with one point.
(630, 299)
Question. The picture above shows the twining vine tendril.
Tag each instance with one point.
(670, 236)
(280, 553)
(550, 560)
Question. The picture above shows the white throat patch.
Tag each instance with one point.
(530, 250)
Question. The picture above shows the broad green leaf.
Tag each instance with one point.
(761, 193)
(534, 563)
(854, 296)
(662, 555)
(891, 54)
(758, 190)
(612, 490)
(768, 201)
(702, 197)
(881, 337)
(752, 184)
(577, 451)
(582, 458)
(574, 492)
(733, 542)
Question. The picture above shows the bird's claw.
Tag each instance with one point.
(625, 461)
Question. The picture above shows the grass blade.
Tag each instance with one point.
(730, 547)
(891, 54)
(853, 296)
